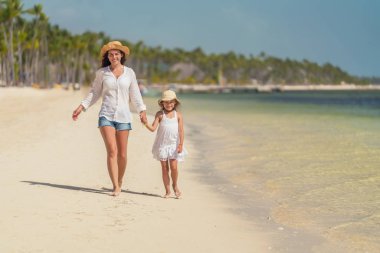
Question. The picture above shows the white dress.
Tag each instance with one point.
(167, 139)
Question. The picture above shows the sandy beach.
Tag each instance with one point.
(55, 188)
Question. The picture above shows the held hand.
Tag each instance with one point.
(77, 112)
(144, 122)
(143, 118)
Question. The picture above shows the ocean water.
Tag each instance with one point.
(311, 158)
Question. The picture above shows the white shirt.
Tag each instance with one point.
(116, 93)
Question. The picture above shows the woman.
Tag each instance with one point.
(116, 84)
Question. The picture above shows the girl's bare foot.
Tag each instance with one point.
(177, 192)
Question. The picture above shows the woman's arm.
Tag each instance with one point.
(135, 95)
(181, 132)
(92, 96)
(95, 92)
(155, 123)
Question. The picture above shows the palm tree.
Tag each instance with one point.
(39, 45)
(21, 37)
(11, 11)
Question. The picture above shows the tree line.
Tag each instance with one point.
(33, 51)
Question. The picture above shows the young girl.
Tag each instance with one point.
(168, 145)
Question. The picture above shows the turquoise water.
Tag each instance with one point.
(314, 156)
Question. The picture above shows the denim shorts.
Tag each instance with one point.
(103, 121)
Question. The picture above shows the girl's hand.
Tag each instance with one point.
(144, 121)
(179, 148)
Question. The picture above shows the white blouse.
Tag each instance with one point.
(116, 93)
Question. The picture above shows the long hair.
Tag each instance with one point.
(106, 62)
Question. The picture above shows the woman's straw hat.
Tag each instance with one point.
(114, 45)
(168, 95)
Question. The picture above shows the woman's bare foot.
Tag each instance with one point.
(167, 195)
(116, 192)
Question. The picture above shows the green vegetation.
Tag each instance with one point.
(32, 51)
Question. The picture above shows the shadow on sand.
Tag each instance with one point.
(103, 190)
(133, 192)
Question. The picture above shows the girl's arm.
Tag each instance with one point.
(181, 132)
(155, 123)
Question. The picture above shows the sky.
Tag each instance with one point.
(345, 33)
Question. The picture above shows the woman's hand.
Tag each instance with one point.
(143, 118)
(77, 112)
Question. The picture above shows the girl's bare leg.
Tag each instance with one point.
(122, 144)
(165, 177)
(109, 137)
(174, 176)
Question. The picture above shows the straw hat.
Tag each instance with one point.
(168, 95)
(114, 45)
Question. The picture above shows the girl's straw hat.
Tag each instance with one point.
(168, 95)
(114, 45)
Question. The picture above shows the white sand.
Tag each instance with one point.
(53, 181)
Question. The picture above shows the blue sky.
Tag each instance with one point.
(345, 33)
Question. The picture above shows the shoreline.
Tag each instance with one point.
(230, 88)
(233, 88)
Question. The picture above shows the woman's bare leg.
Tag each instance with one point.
(165, 177)
(109, 137)
(174, 176)
(122, 144)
